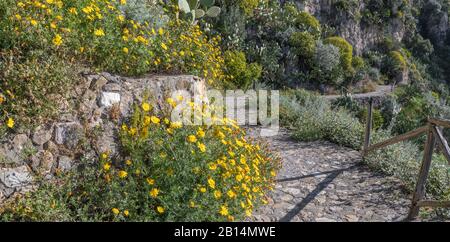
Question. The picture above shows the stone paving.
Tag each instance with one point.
(323, 182)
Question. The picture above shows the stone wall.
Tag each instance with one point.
(87, 126)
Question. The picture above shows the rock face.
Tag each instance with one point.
(89, 128)
(361, 35)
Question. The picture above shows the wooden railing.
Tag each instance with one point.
(433, 130)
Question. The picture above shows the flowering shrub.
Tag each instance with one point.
(170, 172)
(97, 31)
(101, 34)
(193, 173)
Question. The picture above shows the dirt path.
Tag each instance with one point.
(321, 181)
(380, 92)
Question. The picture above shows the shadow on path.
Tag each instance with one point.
(322, 185)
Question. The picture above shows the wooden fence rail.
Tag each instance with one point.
(434, 135)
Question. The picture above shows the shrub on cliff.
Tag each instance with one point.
(346, 50)
(327, 68)
(304, 44)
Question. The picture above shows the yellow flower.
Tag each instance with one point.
(73, 11)
(160, 210)
(145, 107)
(33, 22)
(212, 166)
(128, 162)
(57, 40)
(18, 17)
(107, 166)
(239, 178)
(231, 194)
(104, 156)
(154, 192)
(123, 2)
(10, 123)
(99, 32)
(161, 31)
(248, 212)
(201, 133)
(164, 46)
(126, 213)
(192, 138)
(217, 194)
(223, 210)
(192, 204)
(125, 50)
(176, 125)
(203, 189)
(239, 143)
(202, 147)
(171, 102)
(122, 174)
(155, 120)
(115, 211)
(150, 181)
(273, 173)
(211, 183)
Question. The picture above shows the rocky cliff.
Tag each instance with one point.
(349, 20)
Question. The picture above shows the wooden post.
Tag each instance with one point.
(423, 174)
(368, 127)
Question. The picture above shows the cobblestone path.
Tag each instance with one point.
(322, 182)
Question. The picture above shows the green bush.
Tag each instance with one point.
(397, 61)
(326, 66)
(312, 118)
(346, 50)
(238, 72)
(32, 86)
(304, 43)
(307, 22)
(358, 63)
(403, 161)
(377, 121)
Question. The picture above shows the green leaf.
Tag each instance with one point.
(213, 11)
(193, 4)
(199, 13)
(184, 6)
(207, 3)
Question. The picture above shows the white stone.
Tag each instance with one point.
(16, 177)
(108, 99)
